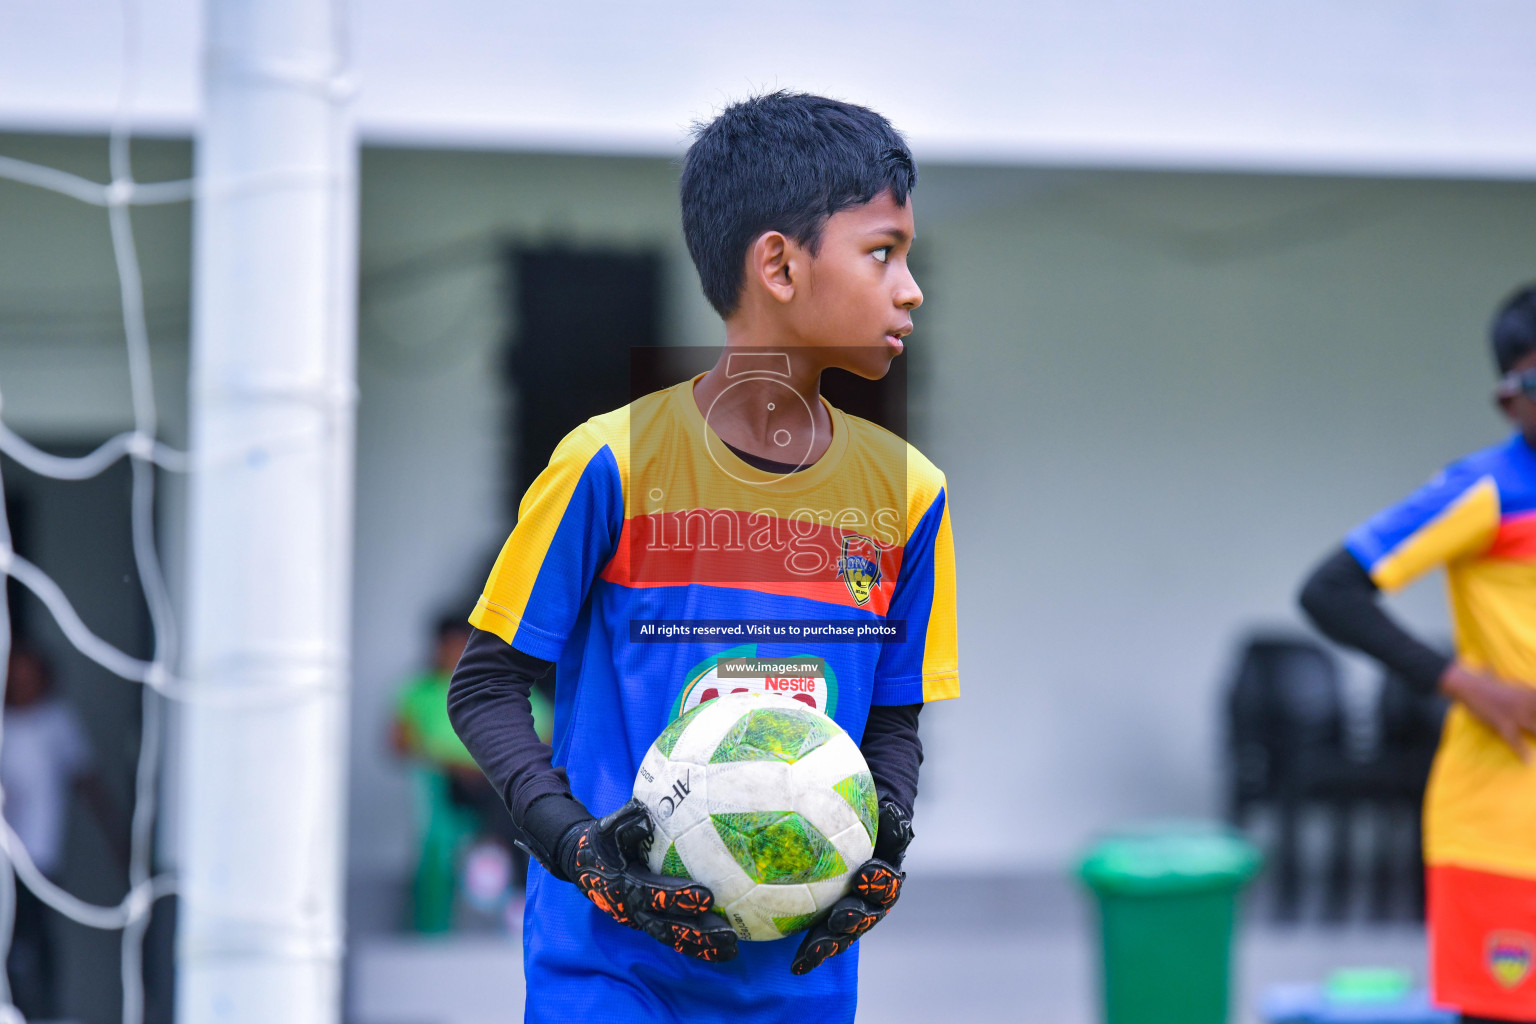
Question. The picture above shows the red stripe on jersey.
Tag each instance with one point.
(1516, 539)
(747, 551)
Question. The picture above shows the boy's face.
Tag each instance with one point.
(1521, 407)
(450, 648)
(26, 680)
(856, 294)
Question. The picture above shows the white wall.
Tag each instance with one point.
(1371, 86)
(1159, 399)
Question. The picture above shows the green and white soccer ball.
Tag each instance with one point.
(765, 800)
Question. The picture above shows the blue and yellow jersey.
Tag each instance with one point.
(644, 519)
(1477, 520)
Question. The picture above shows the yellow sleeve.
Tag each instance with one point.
(567, 527)
(1454, 516)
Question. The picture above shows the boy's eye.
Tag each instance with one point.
(882, 254)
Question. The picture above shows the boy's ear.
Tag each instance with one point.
(773, 262)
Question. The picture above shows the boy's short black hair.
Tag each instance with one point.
(785, 161)
(1514, 328)
(450, 624)
(23, 651)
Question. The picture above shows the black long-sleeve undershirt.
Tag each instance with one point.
(894, 752)
(488, 705)
(1341, 599)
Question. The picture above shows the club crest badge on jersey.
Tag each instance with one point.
(1509, 957)
(815, 689)
(859, 566)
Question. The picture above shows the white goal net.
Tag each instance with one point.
(271, 430)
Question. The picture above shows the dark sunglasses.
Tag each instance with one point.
(1522, 382)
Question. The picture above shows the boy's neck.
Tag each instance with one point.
(749, 396)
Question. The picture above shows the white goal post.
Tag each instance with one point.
(262, 767)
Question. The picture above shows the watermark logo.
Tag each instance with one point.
(768, 373)
(728, 484)
(806, 678)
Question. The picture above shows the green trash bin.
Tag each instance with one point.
(1167, 897)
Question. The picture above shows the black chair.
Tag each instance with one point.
(1288, 751)
(1286, 747)
(1408, 728)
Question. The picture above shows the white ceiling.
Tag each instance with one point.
(1431, 87)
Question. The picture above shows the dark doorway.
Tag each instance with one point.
(576, 315)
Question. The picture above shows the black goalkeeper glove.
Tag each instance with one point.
(874, 887)
(602, 856)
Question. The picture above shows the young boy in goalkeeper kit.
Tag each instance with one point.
(1477, 521)
(739, 495)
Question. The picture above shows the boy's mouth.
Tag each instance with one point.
(893, 338)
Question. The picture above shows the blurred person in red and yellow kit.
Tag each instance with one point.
(1477, 520)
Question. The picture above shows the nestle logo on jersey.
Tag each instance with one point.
(786, 684)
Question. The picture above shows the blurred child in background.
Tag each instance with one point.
(44, 759)
(464, 827)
